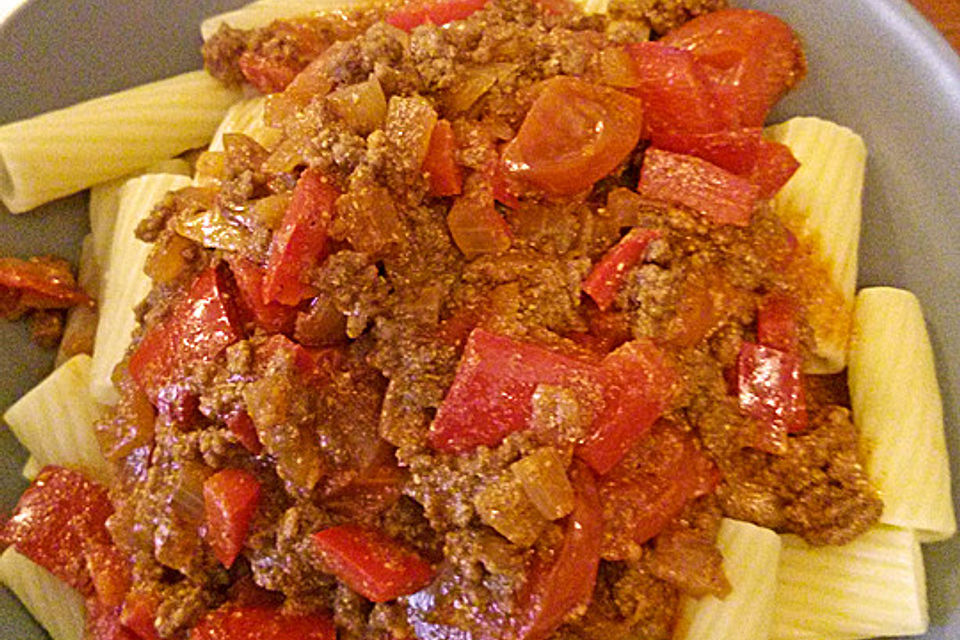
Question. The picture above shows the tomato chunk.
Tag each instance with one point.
(110, 572)
(753, 55)
(770, 390)
(722, 197)
(574, 134)
(241, 425)
(201, 325)
(778, 318)
(775, 166)
(230, 499)
(736, 150)
(103, 622)
(491, 395)
(554, 589)
(438, 12)
(662, 473)
(55, 518)
(40, 283)
(440, 164)
(272, 317)
(374, 565)
(301, 241)
(138, 613)
(262, 623)
(638, 386)
(605, 280)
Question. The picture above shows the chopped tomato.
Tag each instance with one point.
(262, 623)
(138, 613)
(778, 318)
(40, 284)
(491, 395)
(638, 385)
(440, 164)
(272, 317)
(439, 12)
(230, 499)
(201, 325)
(676, 92)
(371, 563)
(556, 588)
(722, 197)
(775, 166)
(605, 280)
(736, 150)
(313, 365)
(272, 69)
(60, 513)
(753, 55)
(109, 571)
(103, 622)
(300, 243)
(267, 75)
(574, 134)
(661, 473)
(770, 390)
(241, 425)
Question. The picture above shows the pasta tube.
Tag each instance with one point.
(263, 12)
(897, 407)
(55, 419)
(124, 283)
(246, 117)
(749, 553)
(64, 151)
(873, 586)
(58, 608)
(821, 205)
(30, 469)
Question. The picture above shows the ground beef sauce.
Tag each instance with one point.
(334, 392)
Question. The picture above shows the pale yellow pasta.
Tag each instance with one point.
(246, 117)
(55, 419)
(65, 151)
(821, 205)
(873, 586)
(124, 283)
(262, 13)
(58, 608)
(750, 557)
(897, 407)
(31, 468)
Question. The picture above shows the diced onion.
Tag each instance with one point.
(544, 479)
(363, 106)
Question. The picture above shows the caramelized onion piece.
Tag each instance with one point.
(544, 480)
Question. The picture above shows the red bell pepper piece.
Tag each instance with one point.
(272, 317)
(722, 197)
(60, 513)
(438, 12)
(41, 283)
(491, 393)
(374, 565)
(605, 280)
(301, 241)
(770, 391)
(650, 487)
(736, 150)
(241, 425)
(440, 164)
(138, 613)
(262, 623)
(554, 589)
(200, 326)
(110, 572)
(230, 499)
(778, 322)
(775, 166)
(638, 386)
(676, 92)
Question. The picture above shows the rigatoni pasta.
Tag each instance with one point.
(62, 152)
(57, 607)
(263, 12)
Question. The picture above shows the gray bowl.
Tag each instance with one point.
(875, 66)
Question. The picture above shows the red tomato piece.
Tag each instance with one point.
(650, 487)
(266, 74)
(770, 390)
(754, 55)
(722, 197)
(301, 241)
(230, 499)
(272, 317)
(736, 150)
(440, 164)
(270, 70)
(60, 513)
(491, 393)
(778, 322)
(574, 134)
(262, 623)
(605, 280)
(555, 589)
(110, 572)
(103, 622)
(138, 613)
(438, 12)
(241, 425)
(775, 166)
(638, 386)
(676, 92)
(41, 284)
(371, 563)
(201, 325)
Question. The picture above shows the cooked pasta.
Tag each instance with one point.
(263, 12)
(58, 608)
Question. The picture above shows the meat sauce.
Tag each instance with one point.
(463, 396)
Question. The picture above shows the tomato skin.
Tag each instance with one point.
(272, 317)
(722, 197)
(437, 12)
(753, 55)
(301, 241)
(770, 390)
(606, 278)
(262, 623)
(374, 565)
(574, 134)
(553, 590)
(440, 164)
(230, 499)
(775, 166)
